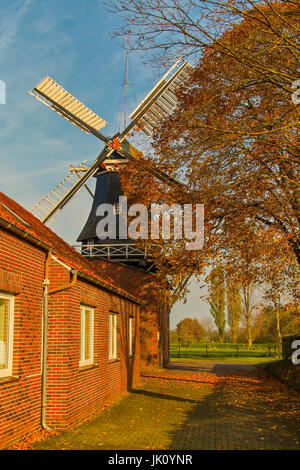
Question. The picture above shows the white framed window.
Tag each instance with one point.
(112, 332)
(86, 335)
(6, 334)
(130, 331)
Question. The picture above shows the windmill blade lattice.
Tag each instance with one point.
(45, 205)
(162, 99)
(158, 104)
(62, 102)
(47, 209)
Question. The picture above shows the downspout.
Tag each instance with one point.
(46, 293)
(66, 286)
(46, 283)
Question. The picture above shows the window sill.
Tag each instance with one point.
(87, 367)
(113, 361)
(8, 379)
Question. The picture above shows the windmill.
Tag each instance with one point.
(157, 105)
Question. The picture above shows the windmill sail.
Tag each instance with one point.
(42, 209)
(47, 209)
(57, 98)
(162, 99)
(158, 104)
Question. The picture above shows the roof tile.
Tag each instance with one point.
(15, 214)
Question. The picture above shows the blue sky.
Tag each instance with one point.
(69, 40)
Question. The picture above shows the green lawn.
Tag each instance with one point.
(225, 352)
(229, 360)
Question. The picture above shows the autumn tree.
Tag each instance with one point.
(234, 312)
(185, 333)
(173, 336)
(217, 299)
(167, 29)
(234, 139)
(249, 305)
(189, 331)
(265, 325)
(209, 329)
(198, 330)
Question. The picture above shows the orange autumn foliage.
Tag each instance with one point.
(234, 141)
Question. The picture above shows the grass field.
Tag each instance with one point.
(224, 352)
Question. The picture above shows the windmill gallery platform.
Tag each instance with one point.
(74, 333)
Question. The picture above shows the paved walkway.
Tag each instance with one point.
(213, 407)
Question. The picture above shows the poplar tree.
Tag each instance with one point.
(234, 311)
(217, 299)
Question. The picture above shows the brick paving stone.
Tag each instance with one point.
(243, 408)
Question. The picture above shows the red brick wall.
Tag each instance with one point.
(74, 394)
(154, 331)
(149, 329)
(154, 317)
(22, 273)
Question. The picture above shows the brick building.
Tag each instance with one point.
(154, 315)
(85, 314)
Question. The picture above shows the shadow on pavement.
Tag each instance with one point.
(218, 368)
(223, 421)
(163, 396)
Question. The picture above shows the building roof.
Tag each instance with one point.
(17, 219)
(140, 285)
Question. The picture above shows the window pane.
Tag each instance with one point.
(81, 335)
(115, 336)
(112, 336)
(130, 336)
(4, 331)
(87, 335)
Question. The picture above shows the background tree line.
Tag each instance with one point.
(233, 140)
(239, 313)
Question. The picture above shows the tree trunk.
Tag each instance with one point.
(249, 331)
(279, 337)
(234, 336)
(221, 337)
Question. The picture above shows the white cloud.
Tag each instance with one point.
(12, 23)
(9, 176)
